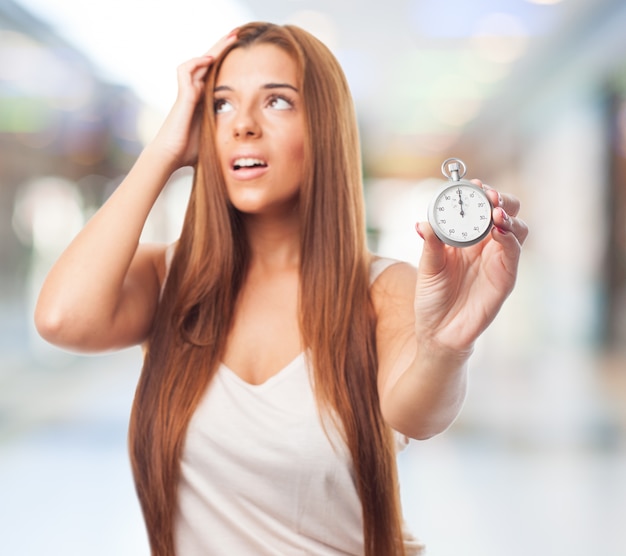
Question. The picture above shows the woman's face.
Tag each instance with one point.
(260, 129)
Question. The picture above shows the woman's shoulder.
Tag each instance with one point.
(392, 284)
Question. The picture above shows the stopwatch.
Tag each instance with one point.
(460, 213)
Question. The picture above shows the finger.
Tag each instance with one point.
(220, 45)
(197, 68)
(510, 203)
(505, 224)
(204, 61)
(193, 71)
(194, 68)
(433, 253)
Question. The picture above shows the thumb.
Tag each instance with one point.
(433, 254)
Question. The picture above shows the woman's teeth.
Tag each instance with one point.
(247, 163)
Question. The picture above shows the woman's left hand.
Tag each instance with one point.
(460, 290)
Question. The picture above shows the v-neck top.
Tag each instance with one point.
(261, 475)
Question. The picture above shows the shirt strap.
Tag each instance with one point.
(379, 265)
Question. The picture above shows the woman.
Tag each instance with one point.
(283, 362)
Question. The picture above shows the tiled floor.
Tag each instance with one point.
(66, 490)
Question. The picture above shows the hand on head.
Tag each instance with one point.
(178, 136)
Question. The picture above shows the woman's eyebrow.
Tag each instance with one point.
(222, 88)
(280, 86)
(270, 86)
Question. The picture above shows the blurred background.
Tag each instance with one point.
(530, 94)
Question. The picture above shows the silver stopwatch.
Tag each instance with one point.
(460, 213)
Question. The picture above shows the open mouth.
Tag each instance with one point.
(242, 163)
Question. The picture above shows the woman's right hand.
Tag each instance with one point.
(178, 136)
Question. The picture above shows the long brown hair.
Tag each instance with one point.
(336, 316)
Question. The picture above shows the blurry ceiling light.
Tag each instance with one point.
(500, 38)
(319, 24)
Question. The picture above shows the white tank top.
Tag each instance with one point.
(260, 476)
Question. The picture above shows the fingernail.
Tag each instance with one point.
(504, 215)
(502, 230)
(419, 232)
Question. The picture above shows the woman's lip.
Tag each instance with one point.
(248, 173)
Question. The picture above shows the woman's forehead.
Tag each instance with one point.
(264, 61)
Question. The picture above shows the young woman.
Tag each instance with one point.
(284, 363)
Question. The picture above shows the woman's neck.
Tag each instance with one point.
(274, 243)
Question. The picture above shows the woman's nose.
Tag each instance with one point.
(246, 125)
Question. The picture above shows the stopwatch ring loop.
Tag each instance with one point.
(444, 167)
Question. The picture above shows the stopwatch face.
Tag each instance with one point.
(460, 214)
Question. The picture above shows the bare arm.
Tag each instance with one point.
(103, 291)
(421, 387)
(430, 318)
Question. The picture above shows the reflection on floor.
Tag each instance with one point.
(65, 486)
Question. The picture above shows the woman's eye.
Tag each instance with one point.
(221, 105)
(280, 103)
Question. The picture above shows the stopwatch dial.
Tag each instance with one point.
(461, 214)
